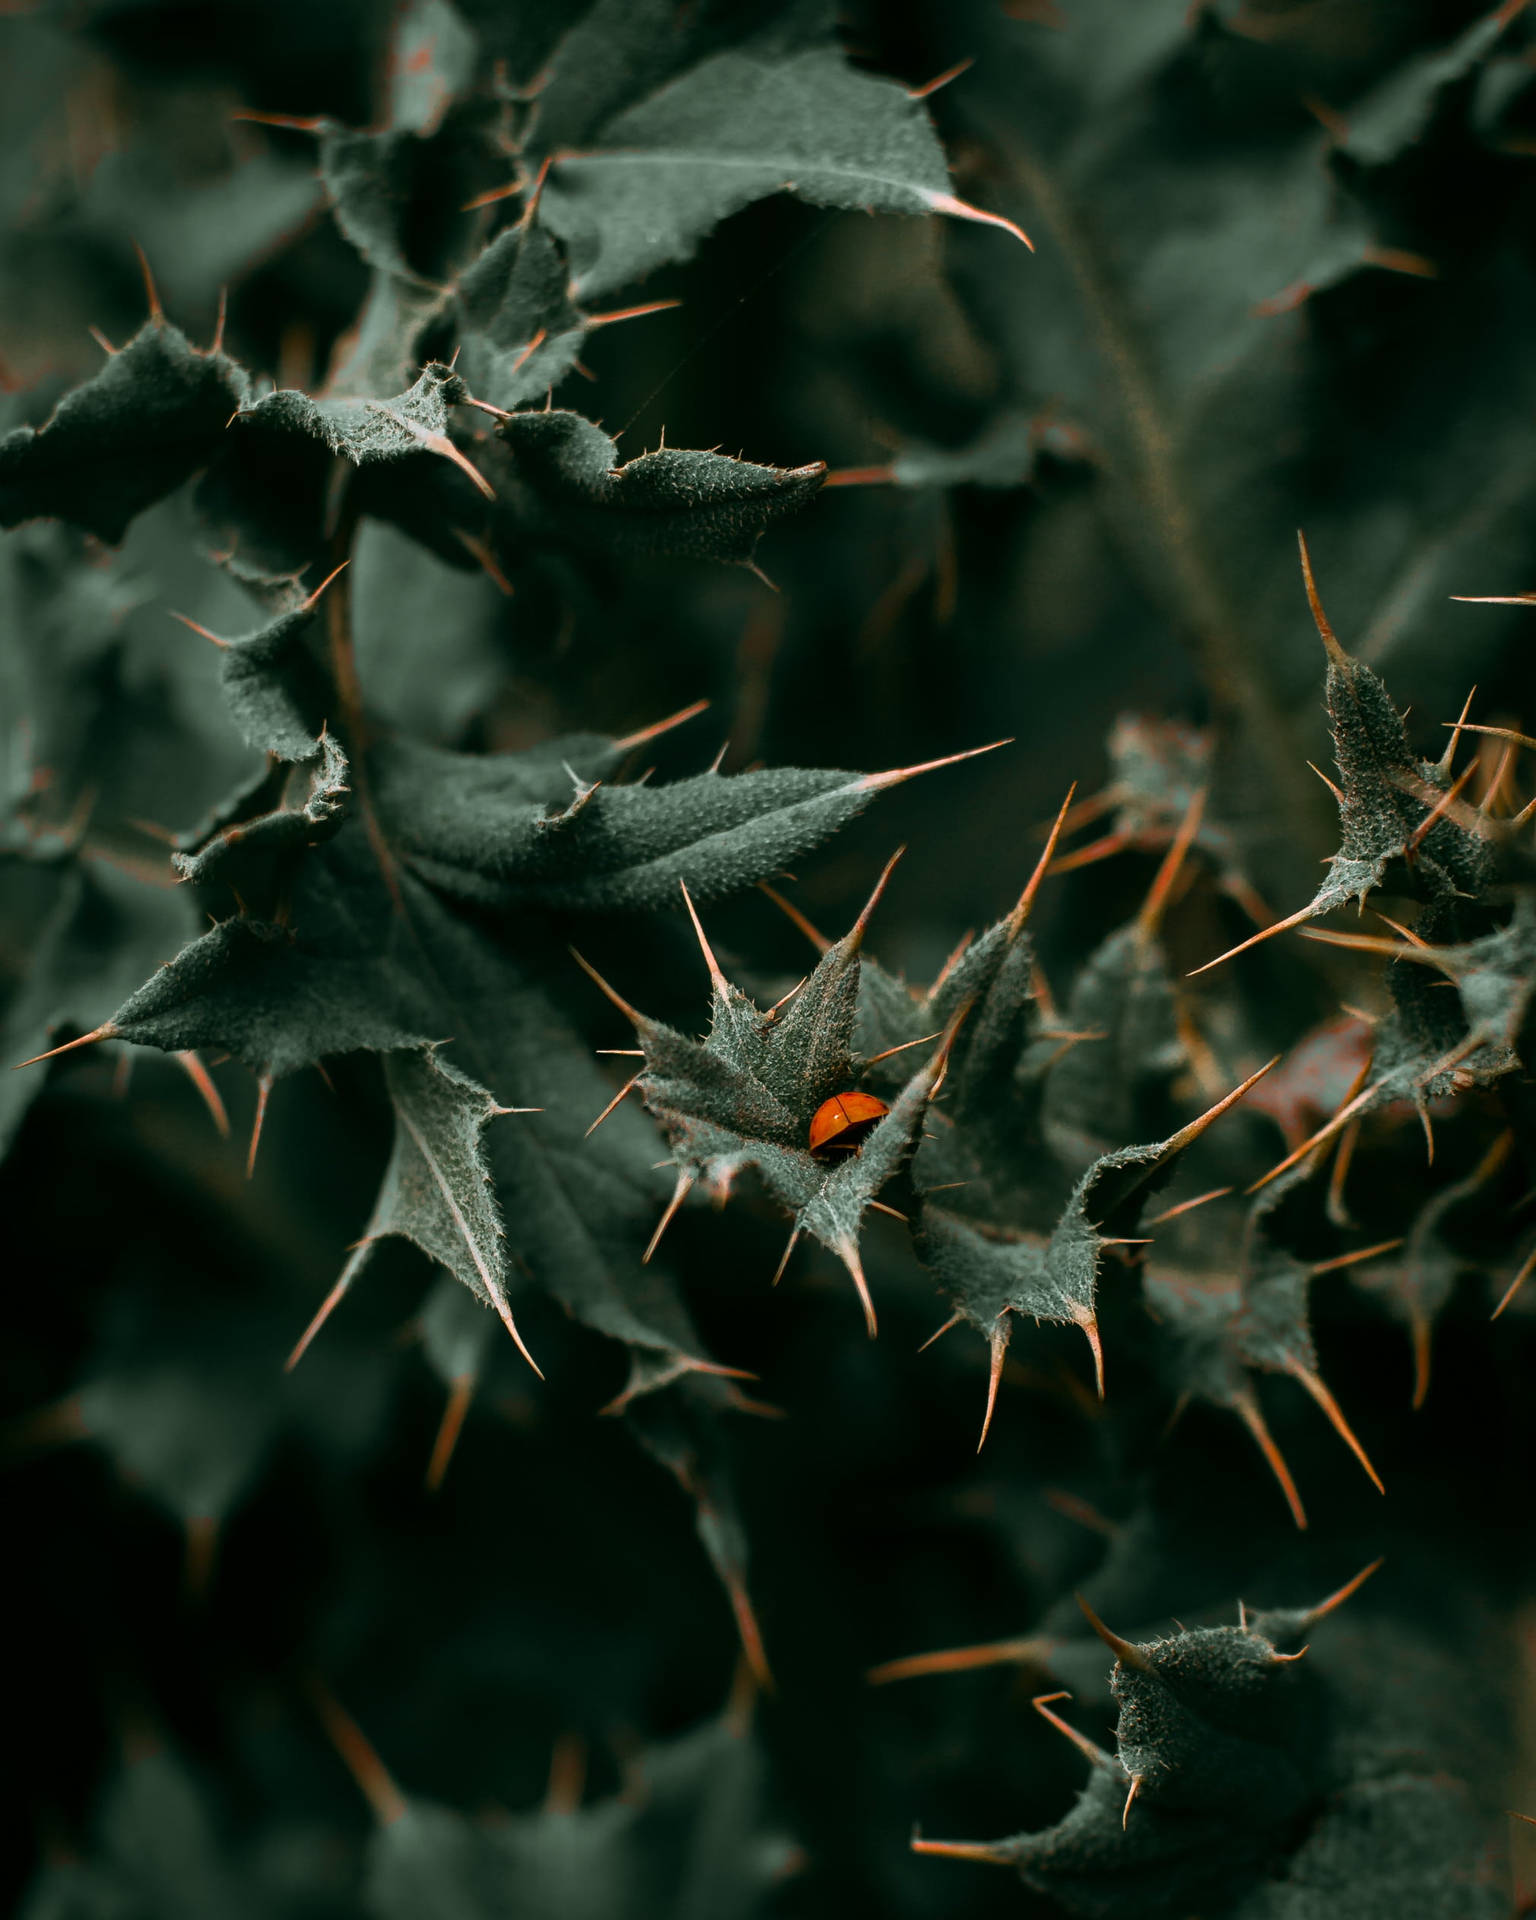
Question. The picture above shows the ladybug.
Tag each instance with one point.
(842, 1124)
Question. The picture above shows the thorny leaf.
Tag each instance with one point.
(153, 416)
(729, 131)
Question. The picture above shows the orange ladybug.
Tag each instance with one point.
(843, 1123)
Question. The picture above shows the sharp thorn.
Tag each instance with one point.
(1254, 940)
(848, 1252)
(611, 993)
(1127, 1654)
(778, 1272)
(1248, 1409)
(854, 938)
(679, 1194)
(1026, 899)
(263, 1095)
(792, 913)
(1347, 1592)
(995, 1653)
(1335, 1414)
(877, 782)
(998, 1341)
(953, 1321)
(614, 1103)
(717, 978)
(1325, 633)
(1186, 1135)
(1095, 1754)
(108, 1032)
(659, 727)
(1150, 917)
(460, 1394)
(358, 1757)
(962, 210)
(191, 1064)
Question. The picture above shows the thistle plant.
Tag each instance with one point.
(515, 518)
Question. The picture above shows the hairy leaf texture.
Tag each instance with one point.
(731, 130)
(746, 1097)
(1243, 1315)
(571, 487)
(690, 1839)
(152, 417)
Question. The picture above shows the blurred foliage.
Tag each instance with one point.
(423, 1506)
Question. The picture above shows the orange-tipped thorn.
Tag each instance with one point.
(998, 1341)
(107, 1032)
(314, 598)
(994, 1853)
(994, 1653)
(717, 979)
(263, 1095)
(659, 727)
(1187, 1135)
(1332, 785)
(1150, 917)
(1092, 852)
(293, 122)
(1420, 1336)
(1188, 1206)
(906, 1045)
(492, 194)
(854, 938)
(962, 210)
(629, 313)
(1248, 1409)
(358, 1757)
(848, 1253)
(452, 1425)
(778, 1272)
(878, 782)
(1335, 1414)
(953, 1321)
(1356, 1258)
(1130, 1799)
(1090, 1327)
(1441, 807)
(1255, 939)
(1456, 726)
(1347, 1592)
(679, 1194)
(1095, 1754)
(151, 291)
(861, 476)
(793, 914)
(941, 80)
(1516, 1284)
(748, 1632)
(327, 1307)
(1497, 733)
(618, 1099)
(498, 1298)
(1340, 1120)
(1026, 899)
(528, 352)
(1325, 632)
(611, 993)
(198, 1074)
(1127, 1654)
